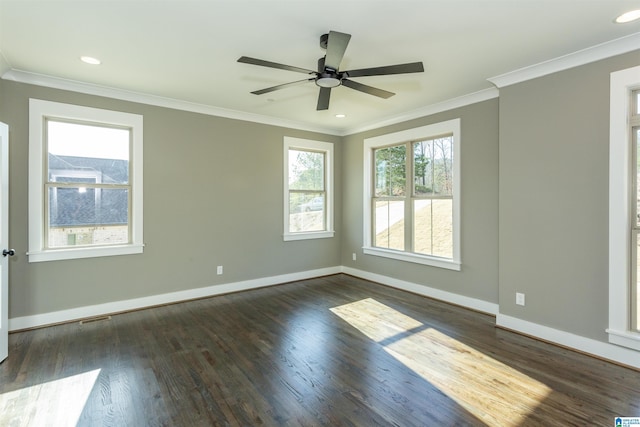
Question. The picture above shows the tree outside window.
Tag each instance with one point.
(412, 208)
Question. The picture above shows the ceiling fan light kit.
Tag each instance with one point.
(328, 80)
(328, 75)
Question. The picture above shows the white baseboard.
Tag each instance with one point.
(450, 297)
(586, 345)
(62, 316)
(590, 346)
(593, 347)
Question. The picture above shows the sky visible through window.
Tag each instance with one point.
(81, 140)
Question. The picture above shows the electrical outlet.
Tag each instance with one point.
(519, 298)
(354, 256)
(219, 269)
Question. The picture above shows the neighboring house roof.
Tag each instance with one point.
(87, 206)
(111, 170)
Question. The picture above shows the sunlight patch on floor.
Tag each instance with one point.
(376, 320)
(53, 403)
(495, 393)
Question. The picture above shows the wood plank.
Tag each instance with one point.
(335, 350)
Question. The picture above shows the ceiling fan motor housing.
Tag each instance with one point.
(324, 39)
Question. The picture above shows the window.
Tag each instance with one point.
(624, 209)
(85, 182)
(308, 189)
(411, 202)
(634, 131)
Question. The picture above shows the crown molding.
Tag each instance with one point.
(585, 56)
(142, 98)
(461, 101)
(4, 64)
(158, 101)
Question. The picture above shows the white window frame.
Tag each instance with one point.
(39, 111)
(309, 145)
(622, 83)
(415, 134)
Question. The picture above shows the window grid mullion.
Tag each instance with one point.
(62, 184)
(433, 189)
(306, 191)
(409, 232)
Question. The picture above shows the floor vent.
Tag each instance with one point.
(95, 319)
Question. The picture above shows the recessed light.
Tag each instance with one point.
(90, 60)
(628, 17)
(341, 116)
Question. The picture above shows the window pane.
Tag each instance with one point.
(306, 170)
(433, 167)
(390, 171)
(389, 224)
(306, 212)
(636, 135)
(443, 166)
(423, 167)
(88, 216)
(433, 227)
(89, 154)
(635, 291)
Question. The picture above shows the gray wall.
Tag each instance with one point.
(534, 173)
(212, 196)
(554, 153)
(479, 205)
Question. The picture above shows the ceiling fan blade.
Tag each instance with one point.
(336, 46)
(262, 63)
(367, 89)
(413, 67)
(282, 86)
(323, 98)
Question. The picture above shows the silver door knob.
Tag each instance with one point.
(9, 252)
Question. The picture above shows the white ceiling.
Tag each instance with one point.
(185, 51)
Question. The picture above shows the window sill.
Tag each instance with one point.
(78, 253)
(415, 258)
(624, 338)
(305, 236)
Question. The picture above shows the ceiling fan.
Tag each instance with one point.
(329, 75)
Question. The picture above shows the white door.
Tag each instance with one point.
(4, 241)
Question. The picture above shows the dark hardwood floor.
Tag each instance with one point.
(335, 351)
